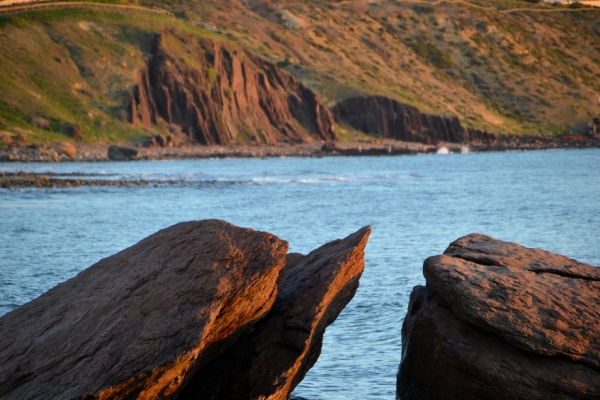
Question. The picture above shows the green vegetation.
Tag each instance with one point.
(75, 66)
(514, 72)
(428, 51)
(211, 77)
(244, 136)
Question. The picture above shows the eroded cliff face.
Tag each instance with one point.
(220, 94)
(391, 119)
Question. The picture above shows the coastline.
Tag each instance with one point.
(55, 152)
(50, 153)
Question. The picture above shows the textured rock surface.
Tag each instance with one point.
(389, 118)
(122, 153)
(272, 359)
(446, 359)
(140, 323)
(498, 320)
(67, 149)
(594, 131)
(220, 94)
(77, 132)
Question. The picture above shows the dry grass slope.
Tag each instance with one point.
(501, 65)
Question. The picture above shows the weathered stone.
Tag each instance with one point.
(391, 119)
(122, 153)
(502, 319)
(150, 142)
(139, 324)
(6, 138)
(329, 147)
(77, 132)
(176, 139)
(65, 148)
(222, 94)
(446, 359)
(274, 357)
(155, 141)
(594, 131)
(41, 123)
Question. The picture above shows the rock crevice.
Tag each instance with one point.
(159, 318)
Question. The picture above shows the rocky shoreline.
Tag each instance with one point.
(80, 152)
(206, 309)
(67, 152)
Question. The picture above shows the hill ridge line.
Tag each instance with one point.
(82, 4)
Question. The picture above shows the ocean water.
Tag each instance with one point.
(416, 206)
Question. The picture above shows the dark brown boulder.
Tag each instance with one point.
(501, 321)
(594, 131)
(155, 141)
(139, 324)
(77, 132)
(177, 139)
(274, 357)
(218, 93)
(6, 138)
(122, 153)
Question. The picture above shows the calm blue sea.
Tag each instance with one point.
(416, 206)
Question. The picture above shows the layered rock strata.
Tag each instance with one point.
(199, 310)
(274, 357)
(391, 119)
(220, 94)
(140, 323)
(501, 321)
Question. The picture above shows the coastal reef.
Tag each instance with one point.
(217, 93)
(500, 321)
(158, 319)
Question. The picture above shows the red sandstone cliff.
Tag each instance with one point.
(391, 119)
(220, 94)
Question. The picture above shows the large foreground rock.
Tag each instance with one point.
(139, 324)
(272, 359)
(501, 321)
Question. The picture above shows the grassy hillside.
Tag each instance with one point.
(74, 66)
(534, 69)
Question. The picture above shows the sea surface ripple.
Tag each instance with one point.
(416, 206)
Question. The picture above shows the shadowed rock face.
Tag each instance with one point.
(219, 94)
(446, 359)
(274, 357)
(501, 321)
(391, 119)
(178, 316)
(140, 323)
